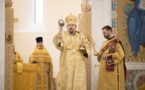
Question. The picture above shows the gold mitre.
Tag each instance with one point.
(71, 19)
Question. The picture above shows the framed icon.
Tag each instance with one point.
(9, 38)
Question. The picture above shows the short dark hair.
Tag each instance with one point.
(107, 28)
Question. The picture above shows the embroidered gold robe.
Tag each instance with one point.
(72, 71)
(111, 80)
(142, 87)
(44, 62)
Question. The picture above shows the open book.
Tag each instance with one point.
(141, 5)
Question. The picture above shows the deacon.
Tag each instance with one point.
(41, 57)
(112, 63)
(74, 50)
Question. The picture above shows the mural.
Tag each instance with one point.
(135, 79)
(128, 20)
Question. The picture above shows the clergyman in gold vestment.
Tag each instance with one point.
(72, 71)
(112, 65)
(41, 57)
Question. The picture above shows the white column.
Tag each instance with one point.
(2, 43)
(101, 16)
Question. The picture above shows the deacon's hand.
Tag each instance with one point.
(97, 54)
(104, 56)
(47, 70)
(82, 44)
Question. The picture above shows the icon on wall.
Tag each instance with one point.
(9, 38)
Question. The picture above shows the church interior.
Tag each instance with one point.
(22, 21)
